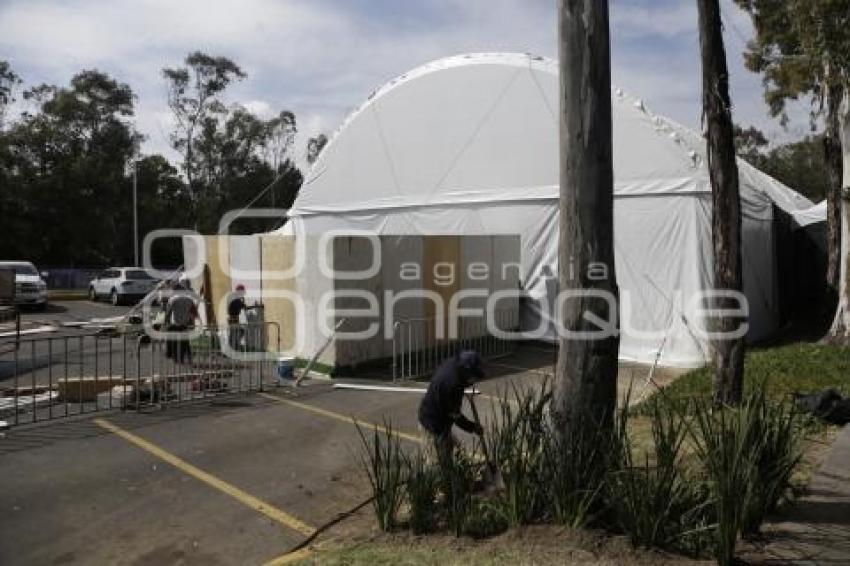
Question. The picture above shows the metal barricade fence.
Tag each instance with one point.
(53, 377)
(418, 350)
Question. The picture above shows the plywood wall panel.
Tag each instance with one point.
(278, 255)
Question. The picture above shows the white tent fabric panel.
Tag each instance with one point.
(469, 145)
(657, 281)
(652, 282)
(811, 215)
(760, 286)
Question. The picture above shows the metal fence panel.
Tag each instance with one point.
(419, 345)
(51, 377)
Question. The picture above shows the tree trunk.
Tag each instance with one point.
(832, 156)
(840, 330)
(726, 202)
(585, 388)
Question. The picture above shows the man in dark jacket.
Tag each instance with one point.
(441, 407)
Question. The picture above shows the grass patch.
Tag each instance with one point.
(781, 371)
(318, 367)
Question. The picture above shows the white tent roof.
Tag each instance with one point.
(483, 128)
(469, 145)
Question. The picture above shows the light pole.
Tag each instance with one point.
(135, 214)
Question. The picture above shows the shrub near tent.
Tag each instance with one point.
(705, 477)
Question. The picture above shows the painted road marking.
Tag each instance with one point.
(290, 557)
(254, 503)
(340, 417)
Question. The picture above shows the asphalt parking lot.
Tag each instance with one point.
(60, 324)
(58, 313)
(237, 480)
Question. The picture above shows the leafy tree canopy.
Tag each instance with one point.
(801, 48)
(799, 164)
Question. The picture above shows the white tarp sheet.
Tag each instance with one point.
(469, 145)
(812, 215)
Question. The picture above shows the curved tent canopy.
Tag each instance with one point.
(469, 145)
(483, 128)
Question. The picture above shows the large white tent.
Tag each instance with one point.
(469, 145)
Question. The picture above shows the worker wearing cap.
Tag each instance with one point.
(440, 409)
(235, 306)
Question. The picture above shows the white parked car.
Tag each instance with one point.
(30, 288)
(121, 284)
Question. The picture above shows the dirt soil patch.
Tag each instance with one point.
(536, 544)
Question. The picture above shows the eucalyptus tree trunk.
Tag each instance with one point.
(585, 387)
(840, 161)
(726, 203)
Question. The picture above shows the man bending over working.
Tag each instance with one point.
(441, 407)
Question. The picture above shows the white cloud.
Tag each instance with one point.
(666, 19)
(259, 108)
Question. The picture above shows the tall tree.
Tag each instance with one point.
(280, 137)
(726, 201)
(8, 81)
(193, 96)
(315, 146)
(584, 392)
(239, 155)
(68, 160)
(802, 48)
(841, 322)
(799, 164)
(163, 203)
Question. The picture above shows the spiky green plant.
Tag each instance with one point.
(422, 485)
(457, 473)
(517, 442)
(574, 471)
(724, 443)
(653, 498)
(776, 453)
(485, 519)
(749, 454)
(383, 462)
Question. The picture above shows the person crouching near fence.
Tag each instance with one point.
(440, 408)
(181, 311)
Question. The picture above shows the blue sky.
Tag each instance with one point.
(322, 58)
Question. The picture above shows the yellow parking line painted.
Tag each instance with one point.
(290, 557)
(254, 503)
(341, 417)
